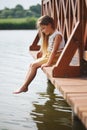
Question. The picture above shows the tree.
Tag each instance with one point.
(19, 7)
(19, 12)
(36, 9)
(5, 13)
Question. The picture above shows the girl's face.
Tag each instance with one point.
(46, 29)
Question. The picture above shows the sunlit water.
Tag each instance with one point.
(42, 107)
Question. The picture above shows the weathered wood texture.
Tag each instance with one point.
(71, 19)
(74, 91)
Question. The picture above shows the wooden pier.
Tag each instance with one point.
(69, 74)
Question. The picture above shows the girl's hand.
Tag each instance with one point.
(44, 65)
(39, 54)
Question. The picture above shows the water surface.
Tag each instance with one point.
(42, 107)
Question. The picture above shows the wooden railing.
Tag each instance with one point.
(71, 19)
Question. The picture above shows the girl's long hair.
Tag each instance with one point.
(45, 20)
(44, 44)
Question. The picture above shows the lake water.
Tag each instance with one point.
(42, 107)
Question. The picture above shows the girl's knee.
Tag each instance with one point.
(33, 65)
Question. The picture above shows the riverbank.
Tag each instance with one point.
(18, 23)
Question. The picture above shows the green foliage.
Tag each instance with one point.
(19, 7)
(19, 18)
(19, 12)
(36, 10)
(18, 23)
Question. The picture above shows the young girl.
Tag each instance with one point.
(52, 44)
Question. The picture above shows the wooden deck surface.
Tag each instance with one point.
(74, 91)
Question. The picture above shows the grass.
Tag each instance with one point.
(18, 23)
(16, 20)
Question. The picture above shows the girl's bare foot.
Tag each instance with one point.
(22, 89)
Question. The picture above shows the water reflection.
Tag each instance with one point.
(77, 124)
(54, 113)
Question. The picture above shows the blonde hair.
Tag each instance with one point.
(44, 45)
(45, 20)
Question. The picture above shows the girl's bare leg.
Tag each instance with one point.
(30, 76)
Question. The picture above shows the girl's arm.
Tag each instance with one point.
(39, 54)
(57, 42)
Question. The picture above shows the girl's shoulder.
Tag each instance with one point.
(56, 33)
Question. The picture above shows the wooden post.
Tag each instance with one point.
(62, 67)
(34, 45)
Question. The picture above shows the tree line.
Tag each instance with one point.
(19, 18)
(20, 12)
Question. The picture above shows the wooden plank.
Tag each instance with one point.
(73, 89)
(77, 102)
(76, 94)
(71, 81)
(67, 85)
